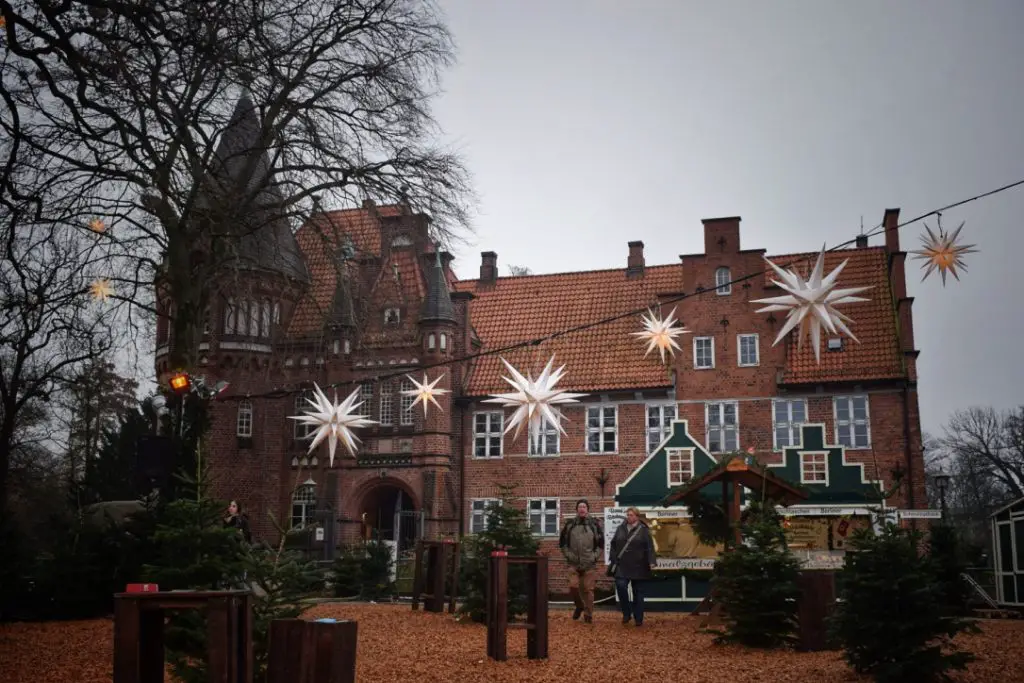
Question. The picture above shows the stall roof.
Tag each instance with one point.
(1019, 501)
(750, 475)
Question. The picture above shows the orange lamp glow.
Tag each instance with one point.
(180, 382)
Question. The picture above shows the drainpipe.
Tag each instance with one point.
(462, 473)
(907, 450)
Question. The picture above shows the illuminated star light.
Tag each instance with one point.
(941, 251)
(425, 393)
(334, 421)
(535, 401)
(101, 289)
(97, 225)
(811, 303)
(660, 333)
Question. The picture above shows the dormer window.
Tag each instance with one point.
(723, 281)
(391, 316)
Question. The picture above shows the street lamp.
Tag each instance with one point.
(942, 483)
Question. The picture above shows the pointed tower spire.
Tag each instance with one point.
(437, 305)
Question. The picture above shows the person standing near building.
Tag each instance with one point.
(632, 555)
(236, 519)
(580, 542)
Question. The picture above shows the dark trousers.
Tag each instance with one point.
(634, 609)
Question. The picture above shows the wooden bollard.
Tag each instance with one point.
(312, 651)
(816, 603)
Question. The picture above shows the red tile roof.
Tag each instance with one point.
(608, 357)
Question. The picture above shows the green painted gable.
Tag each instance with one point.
(846, 481)
(648, 483)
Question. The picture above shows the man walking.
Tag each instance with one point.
(581, 541)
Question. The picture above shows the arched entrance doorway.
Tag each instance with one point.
(388, 513)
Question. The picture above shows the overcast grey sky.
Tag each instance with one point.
(590, 124)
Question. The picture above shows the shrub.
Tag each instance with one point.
(892, 622)
(364, 570)
(949, 563)
(757, 584)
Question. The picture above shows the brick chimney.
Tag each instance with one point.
(635, 262)
(721, 235)
(488, 266)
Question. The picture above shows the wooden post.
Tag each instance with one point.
(497, 606)
(456, 559)
(417, 576)
(437, 562)
(312, 651)
(816, 603)
(436, 575)
(537, 610)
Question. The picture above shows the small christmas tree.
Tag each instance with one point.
(949, 562)
(757, 584)
(892, 622)
(507, 528)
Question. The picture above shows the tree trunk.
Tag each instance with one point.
(189, 293)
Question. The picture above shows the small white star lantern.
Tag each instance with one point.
(942, 252)
(535, 401)
(425, 393)
(101, 289)
(811, 303)
(660, 333)
(334, 421)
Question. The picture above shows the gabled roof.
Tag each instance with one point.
(241, 168)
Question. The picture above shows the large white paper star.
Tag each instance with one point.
(535, 401)
(334, 421)
(660, 333)
(811, 303)
(943, 252)
(425, 393)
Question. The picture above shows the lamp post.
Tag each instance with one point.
(942, 483)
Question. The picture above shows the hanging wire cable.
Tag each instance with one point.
(879, 229)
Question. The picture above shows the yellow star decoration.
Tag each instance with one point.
(101, 289)
(942, 251)
(425, 393)
(97, 225)
(660, 333)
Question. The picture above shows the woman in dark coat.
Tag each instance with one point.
(632, 553)
(238, 520)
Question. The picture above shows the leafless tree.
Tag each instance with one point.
(132, 98)
(519, 270)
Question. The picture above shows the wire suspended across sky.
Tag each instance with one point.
(879, 229)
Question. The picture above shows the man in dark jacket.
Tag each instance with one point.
(632, 553)
(581, 541)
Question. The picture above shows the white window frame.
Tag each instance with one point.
(243, 419)
(664, 427)
(482, 512)
(804, 462)
(680, 455)
(265, 319)
(230, 316)
(254, 318)
(301, 431)
(711, 342)
(544, 513)
(852, 422)
(386, 407)
(491, 432)
(722, 289)
(790, 424)
(304, 497)
(739, 349)
(601, 430)
(720, 407)
(397, 315)
(550, 442)
(431, 341)
(444, 342)
(405, 414)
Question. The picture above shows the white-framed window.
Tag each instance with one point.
(814, 467)
(230, 316)
(405, 414)
(444, 341)
(478, 513)
(659, 423)
(392, 316)
(680, 465)
(723, 281)
(547, 444)
(387, 405)
(487, 439)
(602, 429)
(265, 319)
(723, 426)
(543, 513)
(277, 313)
(243, 420)
(431, 341)
(302, 430)
(303, 505)
(254, 318)
(788, 415)
(853, 428)
(703, 353)
(748, 354)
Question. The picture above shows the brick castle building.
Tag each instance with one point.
(359, 294)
